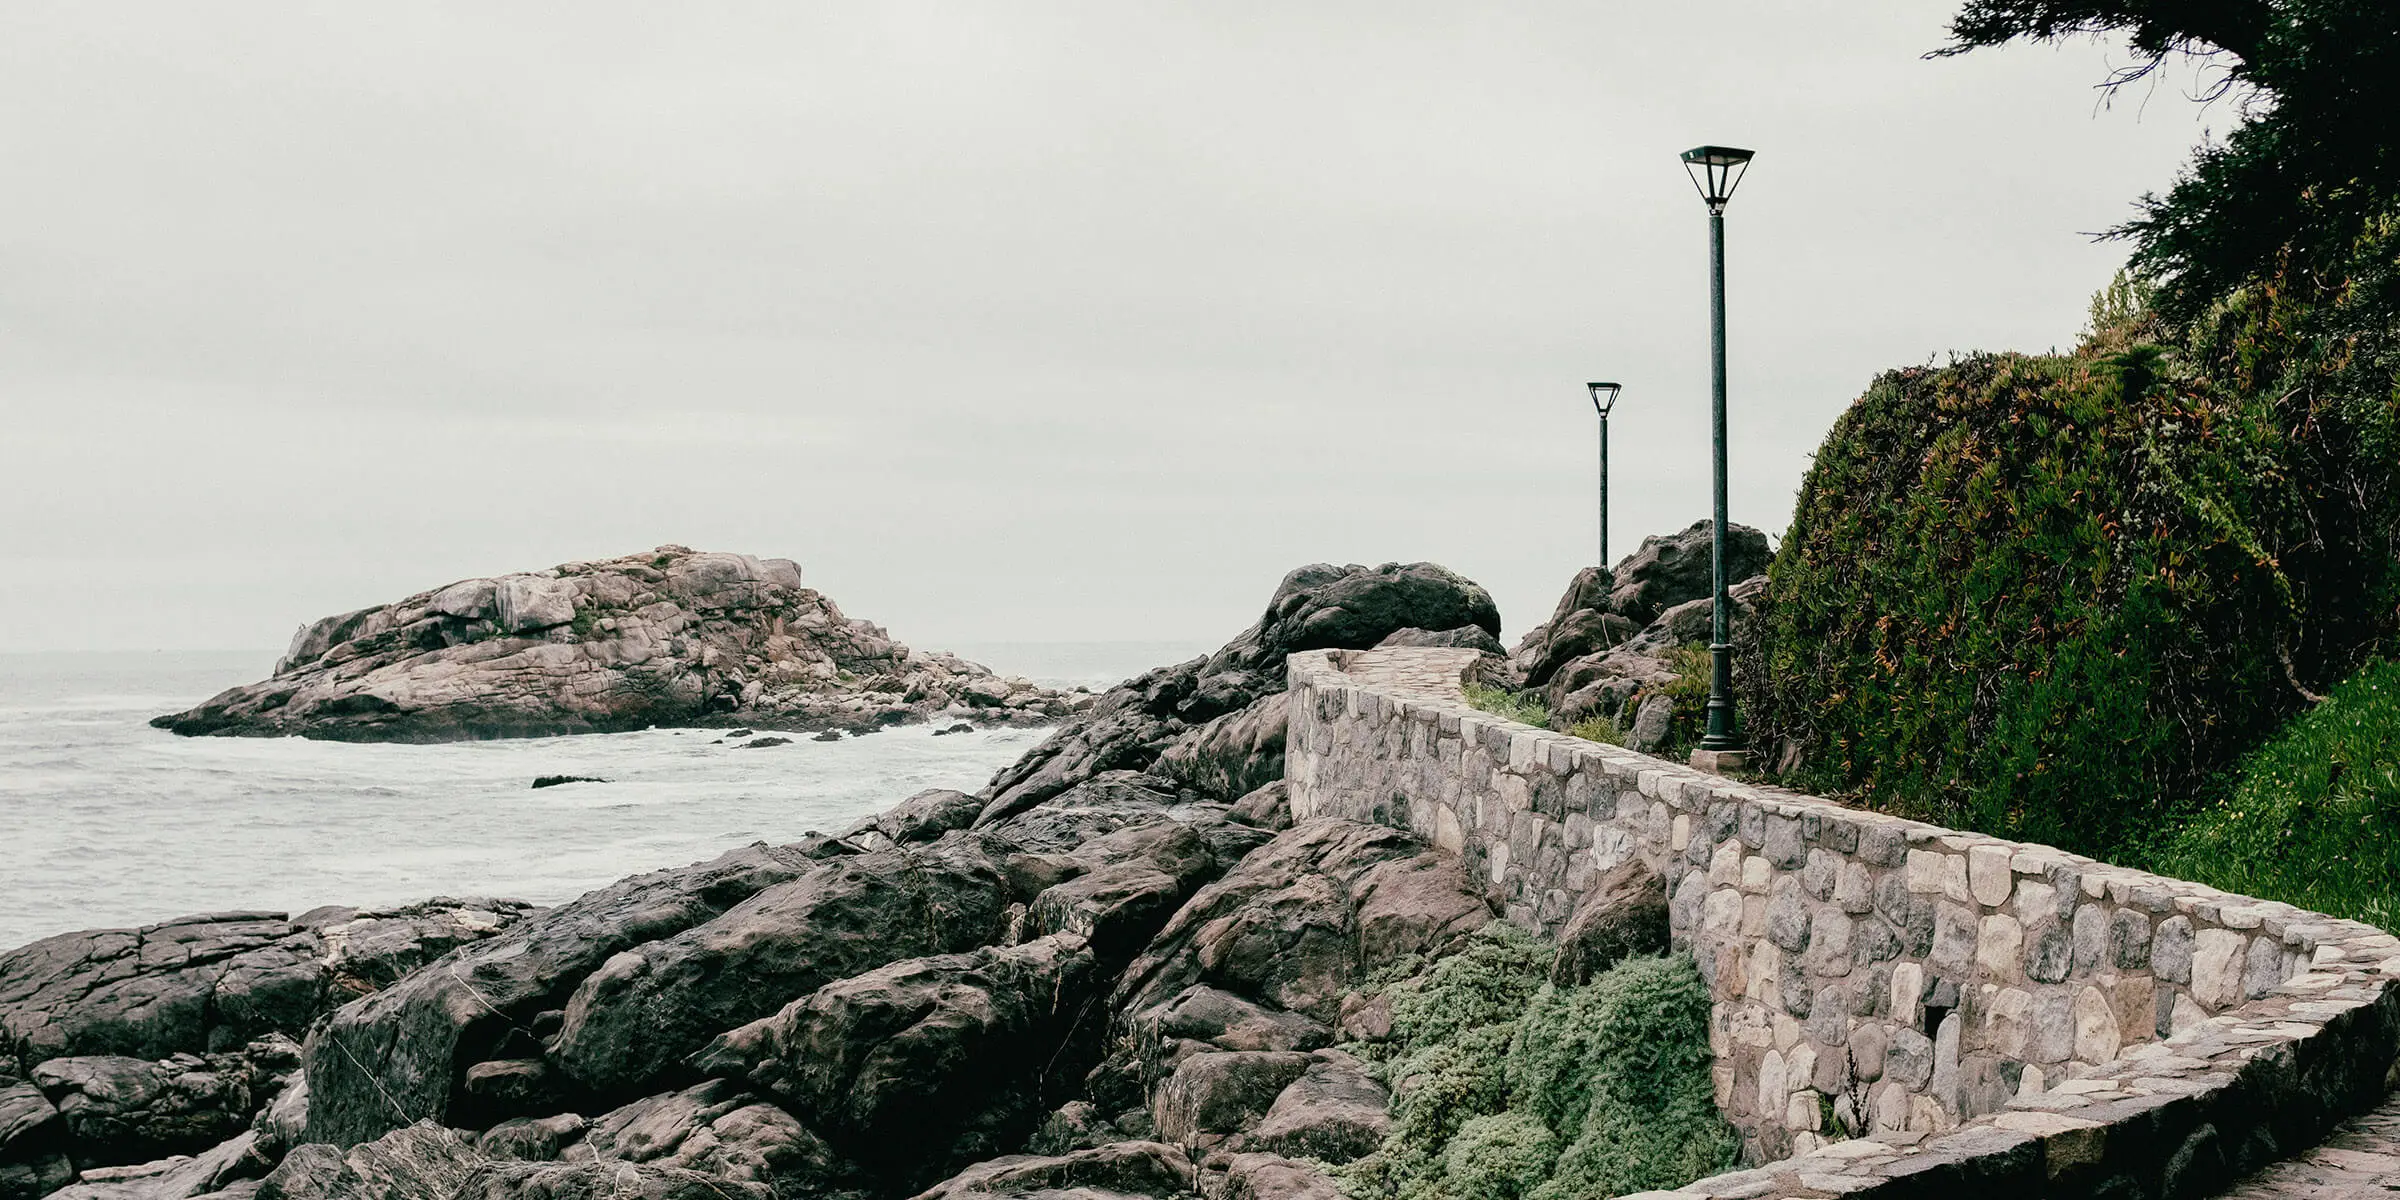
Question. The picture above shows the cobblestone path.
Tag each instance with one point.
(2360, 1160)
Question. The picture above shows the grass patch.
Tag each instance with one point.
(1599, 729)
(2314, 816)
(1508, 1088)
(1515, 706)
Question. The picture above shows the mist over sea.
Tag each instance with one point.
(105, 821)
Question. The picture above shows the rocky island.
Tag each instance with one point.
(669, 637)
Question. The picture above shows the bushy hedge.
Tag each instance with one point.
(2052, 597)
(2315, 818)
(1507, 1088)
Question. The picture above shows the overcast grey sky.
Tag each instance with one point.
(1036, 321)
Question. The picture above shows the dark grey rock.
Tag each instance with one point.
(919, 1066)
(630, 1023)
(401, 1054)
(1315, 607)
(1622, 914)
(1333, 1113)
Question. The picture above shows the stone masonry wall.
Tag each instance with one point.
(1899, 1008)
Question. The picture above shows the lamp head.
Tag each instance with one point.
(1604, 397)
(1716, 171)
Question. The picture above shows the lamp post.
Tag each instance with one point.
(1604, 398)
(1716, 171)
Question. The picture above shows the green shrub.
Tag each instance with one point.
(1599, 729)
(1504, 1156)
(1497, 1070)
(1648, 1114)
(1524, 708)
(2315, 817)
(2048, 597)
(1487, 983)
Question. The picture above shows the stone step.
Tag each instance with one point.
(2360, 1160)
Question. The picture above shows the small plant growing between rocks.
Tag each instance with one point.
(1506, 1087)
(1521, 707)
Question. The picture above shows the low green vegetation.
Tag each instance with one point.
(1599, 729)
(1506, 1087)
(1515, 706)
(2315, 818)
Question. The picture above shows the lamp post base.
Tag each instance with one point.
(1721, 762)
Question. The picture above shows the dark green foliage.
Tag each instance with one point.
(1496, 1073)
(2051, 597)
(2313, 162)
(1504, 1156)
(1648, 1115)
(2315, 818)
(1487, 983)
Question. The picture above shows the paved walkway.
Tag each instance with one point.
(2360, 1160)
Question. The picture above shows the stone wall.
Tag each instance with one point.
(1898, 1007)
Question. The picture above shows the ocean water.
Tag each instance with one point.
(105, 821)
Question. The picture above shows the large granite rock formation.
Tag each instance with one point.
(216, 981)
(1136, 723)
(671, 637)
(1608, 650)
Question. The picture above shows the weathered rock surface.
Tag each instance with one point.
(921, 818)
(402, 1054)
(1119, 1171)
(1299, 920)
(127, 1110)
(1233, 755)
(1465, 637)
(1621, 624)
(617, 1180)
(719, 1129)
(1219, 1092)
(1623, 914)
(1333, 1113)
(670, 637)
(928, 1062)
(33, 1150)
(213, 1172)
(423, 1161)
(216, 981)
(1670, 569)
(631, 1023)
(1314, 607)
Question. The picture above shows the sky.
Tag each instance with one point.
(1009, 321)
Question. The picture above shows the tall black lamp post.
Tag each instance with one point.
(1604, 398)
(1716, 171)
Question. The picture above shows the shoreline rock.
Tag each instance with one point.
(671, 637)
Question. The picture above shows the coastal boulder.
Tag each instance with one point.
(631, 1022)
(616, 1180)
(1232, 755)
(1671, 569)
(1334, 1112)
(1315, 607)
(720, 1130)
(216, 981)
(1117, 1171)
(1300, 919)
(126, 1110)
(927, 1062)
(402, 1054)
(423, 1161)
(33, 1150)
